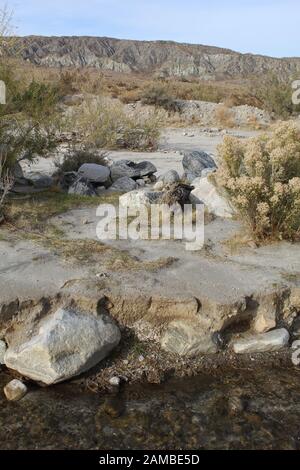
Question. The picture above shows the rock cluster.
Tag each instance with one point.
(121, 176)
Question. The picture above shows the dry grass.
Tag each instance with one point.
(225, 117)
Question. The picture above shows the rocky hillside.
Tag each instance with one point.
(169, 58)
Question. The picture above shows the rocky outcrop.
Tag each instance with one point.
(66, 344)
(157, 57)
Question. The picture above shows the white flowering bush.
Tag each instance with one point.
(261, 177)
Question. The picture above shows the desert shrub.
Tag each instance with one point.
(262, 179)
(275, 96)
(74, 159)
(105, 124)
(158, 96)
(224, 116)
(130, 96)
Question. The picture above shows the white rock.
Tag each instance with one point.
(206, 193)
(3, 349)
(94, 173)
(15, 390)
(267, 342)
(187, 340)
(136, 199)
(114, 381)
(67, 344)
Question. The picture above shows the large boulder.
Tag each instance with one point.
(267, 342)
(205, 192)
(94, 173)
(131, 170)
(82, 187)
(136, 199)
(66, 344)
(194, 163)
(187, 340)
(124, 184)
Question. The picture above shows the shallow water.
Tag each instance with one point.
(239, 410)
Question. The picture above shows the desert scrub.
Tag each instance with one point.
(160, 97)
(105, 124)
(224, 116)
(262, 179)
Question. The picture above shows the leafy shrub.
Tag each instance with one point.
(76, 158)
(105, 124)
(262, 179)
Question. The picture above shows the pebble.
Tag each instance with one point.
(15, 390)
(115, 381)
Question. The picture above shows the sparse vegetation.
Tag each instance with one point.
(262, 179)
(103, 124)
(159, 97)
(275, 96)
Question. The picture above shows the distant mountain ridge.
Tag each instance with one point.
(160, 57)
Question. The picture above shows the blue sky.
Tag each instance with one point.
(261, 26)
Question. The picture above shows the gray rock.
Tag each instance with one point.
(2, 351)
(39, 181)
(267, 342)
(67, 344)
(132, 170)
(187, 340)
(15, 390)
(94, 173)
(169, 177)
(195, 162)
(124, 168)
(82, 187)
(146, 168)
(124, 184)
(136, 199)
(17, 171)
(141, 183)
